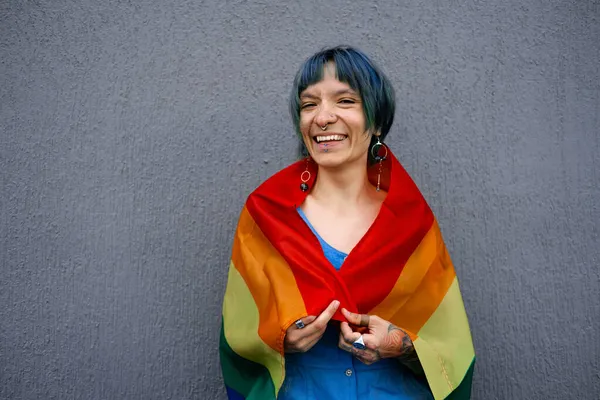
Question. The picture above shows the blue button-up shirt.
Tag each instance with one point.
(327, 372)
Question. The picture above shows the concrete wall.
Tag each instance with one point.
(131, 132)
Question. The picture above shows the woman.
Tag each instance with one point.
(340, 286)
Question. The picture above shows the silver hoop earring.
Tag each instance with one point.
(377, 156)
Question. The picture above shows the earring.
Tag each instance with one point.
(375, 153)
(305, 177)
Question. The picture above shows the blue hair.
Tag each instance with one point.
(356, 69)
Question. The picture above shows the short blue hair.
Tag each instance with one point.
(357, 70)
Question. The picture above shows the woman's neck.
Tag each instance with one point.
(344, 187)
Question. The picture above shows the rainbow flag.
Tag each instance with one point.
(400, 270)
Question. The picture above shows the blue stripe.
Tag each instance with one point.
(233, 395)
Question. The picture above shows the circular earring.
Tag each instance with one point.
(375, 153)
(376, 149)
(305, 177)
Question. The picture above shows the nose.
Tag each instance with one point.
(325, 117)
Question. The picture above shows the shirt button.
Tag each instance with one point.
(348, 372)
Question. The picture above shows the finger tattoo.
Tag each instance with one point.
(364, 319)
(345, 347)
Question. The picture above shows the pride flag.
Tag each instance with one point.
(400, 270)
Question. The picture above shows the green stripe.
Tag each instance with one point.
(246, 377)
(463, 391)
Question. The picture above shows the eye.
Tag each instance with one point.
(304, 106)
(347, 101)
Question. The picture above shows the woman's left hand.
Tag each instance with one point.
(382, 339)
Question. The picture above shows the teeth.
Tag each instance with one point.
(329, 138)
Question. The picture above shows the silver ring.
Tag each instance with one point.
(375, 151)
(359, 343)
(299, 324)
(324, 127)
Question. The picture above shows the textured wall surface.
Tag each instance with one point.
(131, 132)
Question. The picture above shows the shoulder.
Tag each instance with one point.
(277, 197)
(284, 185)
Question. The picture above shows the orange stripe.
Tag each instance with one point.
(422, 285)
(260, 264)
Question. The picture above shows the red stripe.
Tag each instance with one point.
(372, 268)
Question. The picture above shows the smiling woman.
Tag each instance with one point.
(340, 286)
(332, 122)
(352, 82)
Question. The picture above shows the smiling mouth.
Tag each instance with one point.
(329, 138)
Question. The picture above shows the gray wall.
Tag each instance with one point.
(131, 134)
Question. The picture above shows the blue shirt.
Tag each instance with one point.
(327, 372)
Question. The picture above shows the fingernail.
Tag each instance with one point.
(336, 304)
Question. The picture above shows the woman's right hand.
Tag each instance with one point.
(301, 340)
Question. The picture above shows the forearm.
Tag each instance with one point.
(411, 361)
(407, 354)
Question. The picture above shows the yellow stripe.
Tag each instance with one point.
(444, 344)
(240, 322)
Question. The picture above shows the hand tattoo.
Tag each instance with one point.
(408, 355)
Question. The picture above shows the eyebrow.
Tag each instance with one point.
(336, 93)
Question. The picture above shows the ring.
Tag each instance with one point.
(299, 324)
(359, 343)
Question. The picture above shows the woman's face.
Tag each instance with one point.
(336, 105)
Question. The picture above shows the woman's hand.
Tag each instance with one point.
(382, 339)
(301, 340)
